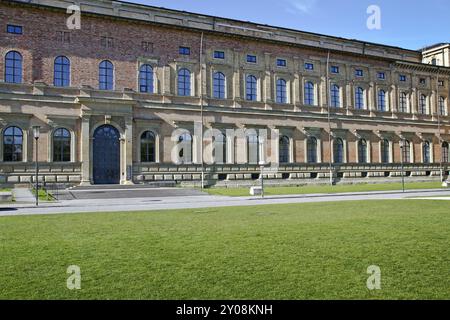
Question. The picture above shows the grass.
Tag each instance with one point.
(307, 251)
(43, 196)
(326, 189)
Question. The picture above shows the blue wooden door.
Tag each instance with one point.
(106, 148)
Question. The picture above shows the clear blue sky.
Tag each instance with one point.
(409, 24)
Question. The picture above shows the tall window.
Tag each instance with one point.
(146, 78)
(382, 100)
(362, 151)
(406, 151)
(253, 148)
(219, 85)
(284, 149)
(251, 89)
(106, 72)
(13, 67)
(445, 152)
(442, 108)
(403, 107)
(186, 148)
(385, 151)
(359, 98)
(12, 144)
(61, 145)
(281, 91)
(335, 96)
(426, 152)
(220, 149)
(309, 93)
(184, 82)
(423, 104)
(311, 150)
(61, 77)
(148, 143)
(338, 151)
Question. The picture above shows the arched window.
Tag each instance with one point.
(335, 96)
(61, 74)
(338, 151)
(423, 104)
(219, 85)
(13, 144)
(362, 151)
(406, 151)
(146, 79)
(442, 108)
(359, 98)
(253, 148)
(13, 67)
(385, 151)
(445, 152)
(403, 107)
(281, 91)
(382, 100)
(220, 148)
(186, 148)
(309, 93)
(251, 88)
(184, 82)
(106, 75)
(284, 149)
(426, 152)
(311, 150)
(61, 145)
(148, 147)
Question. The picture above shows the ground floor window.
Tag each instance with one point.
(148, 147)
(13, 144)
(61, 145)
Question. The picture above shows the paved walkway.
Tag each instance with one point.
(204, 201)
(23, 195)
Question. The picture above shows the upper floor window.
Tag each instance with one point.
(146, 78)
(184, 82)
(423, 104)
(381, 75)
(359, 98)
(219, 85)
(334, 69)
(309, 93)
(184, 51)
(14, 29)
(309, 66)
(61, 76)
(362, 151)
(219, 55)
(61, 145)
(382, 100)
(441, 83)
(281, 91)
(251, 58)
(251, 88)
(402, 78)
(335, 96)
(281, 63)
(422, 81)
(106, 72)
(12, 144)
(403, 107)
(13, 67)
(359, 73)
(434, 61)
(442, 108)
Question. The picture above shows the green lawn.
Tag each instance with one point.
(308, 251)
(241, 192)
(43, 196)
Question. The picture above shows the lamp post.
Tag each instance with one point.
(402, 145)
(36, 134)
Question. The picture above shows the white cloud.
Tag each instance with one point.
(300, 6)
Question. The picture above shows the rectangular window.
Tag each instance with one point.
(334, 69)
(107, 42)
(14, 29)
(63, 36)
(381, 75)
(219, 55)
(251, 58)
(309, 66)
(359, 73)
(281, 63)
(423, 81)
(147, 46)
(185, 51)
(402, 78)
(441, 83)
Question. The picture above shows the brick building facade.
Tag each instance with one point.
(113, 98)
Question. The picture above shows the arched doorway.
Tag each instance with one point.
(106, 155)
